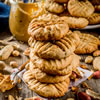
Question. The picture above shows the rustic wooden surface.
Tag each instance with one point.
(21, 90)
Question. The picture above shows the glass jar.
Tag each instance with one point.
(20, 16)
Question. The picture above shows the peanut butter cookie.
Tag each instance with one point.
(46, 90)
(94, 18)
(74, 22)
(50, 64)
(46, 78)
(55, 49)
(46, 27)
(54, 7)
(80, 8)
(88, 43)
(57, 67)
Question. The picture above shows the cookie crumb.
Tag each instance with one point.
(89, 59)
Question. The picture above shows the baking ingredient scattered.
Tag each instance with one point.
(70, 99)
(5, 83)
(27, 52)
(85, 85)
(96, 53)
(93, 94)
(6, 52)
(27, 66)
(2, 65)
(84, 66)
(89, 59)
(34, 98)
(16, 53)
(73, 76)
(19, 81)
(83, 96)
(13, 64)
(10, 97)
(5, 42)
(96, 75)
(75, 89)
(96, 63)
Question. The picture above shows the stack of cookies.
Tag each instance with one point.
(52, 57)
(78, 13)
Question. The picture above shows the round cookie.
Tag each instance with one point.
(88, 43)
(54, 7)
(46, 27)
(46, 78)
(57, 67)
(94, 18)
(80, 8)
(74, 22)
(55, 49)
(46, 90)
(51, 64)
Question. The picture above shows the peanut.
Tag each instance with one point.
(96, 63)
(96, 75)
(75, 89)
(10, 97)
(96, 53)
(15, 53)
(27, 66)
(13, 64)
(89, 59)
(83, 96)
(2, 65)
(34, 98)
(6, 52)
(84, 66)
(27, 52)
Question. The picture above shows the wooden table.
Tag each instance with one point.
(21, 90)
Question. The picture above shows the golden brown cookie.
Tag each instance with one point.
(68, 70)
(94, 18)
(46, 90)
(46, 27)
(74, 22)
(46, 78)
(55, 49)
(88, 43)
(50, 64)
(54, 7)
(97, 8)
(5, 83)
(80, 8)
(95, 2)
(57, 67)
